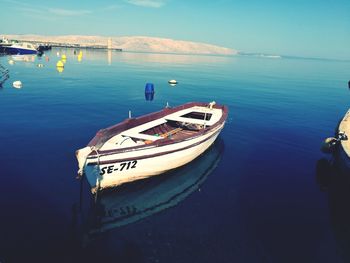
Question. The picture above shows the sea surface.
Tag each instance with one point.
(254, 196)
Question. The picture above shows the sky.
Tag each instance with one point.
(306, 28)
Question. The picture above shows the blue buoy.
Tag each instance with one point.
(149, 88)
(149, 96)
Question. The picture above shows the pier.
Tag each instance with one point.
(72, 45)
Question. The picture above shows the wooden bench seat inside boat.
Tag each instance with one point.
(215, 115)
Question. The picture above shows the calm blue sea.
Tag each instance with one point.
(253, 197)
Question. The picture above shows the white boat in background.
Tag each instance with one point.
(142, 147)
(4, 43)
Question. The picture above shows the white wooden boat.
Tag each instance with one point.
(344, 129)
(141, 147)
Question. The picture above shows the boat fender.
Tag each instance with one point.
(329, 145)
(17, 84)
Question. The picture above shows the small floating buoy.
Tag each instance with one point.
(63, 57)
(60, 64)
(149, 88)
(329, 145)
(11, 62)
(40, 65)
(47, 58)
(149, 96)
(58, 54)
(17, 84)
(172, 82)
(149, 91)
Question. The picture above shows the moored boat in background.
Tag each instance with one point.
(4, 43)
(22, 48)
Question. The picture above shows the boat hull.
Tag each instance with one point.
(344, 127)
(19, 51)
(117, 169)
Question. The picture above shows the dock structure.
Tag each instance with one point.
(344, 126)
(73, 45)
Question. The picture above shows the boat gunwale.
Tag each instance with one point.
(154, 154)
(104, 135)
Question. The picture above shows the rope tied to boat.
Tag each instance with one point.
(98, 181)
(82, 155)
(95, 149)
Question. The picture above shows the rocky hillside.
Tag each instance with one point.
(135, 43)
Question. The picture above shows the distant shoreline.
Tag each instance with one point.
(133, 44)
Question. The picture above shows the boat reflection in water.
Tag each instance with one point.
(134, 201)
(333, 177)
(24, 58)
